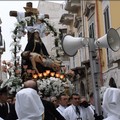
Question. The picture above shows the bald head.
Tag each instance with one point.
(31, 84)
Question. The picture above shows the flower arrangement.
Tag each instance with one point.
(49, 86)
(54, 86)
(14, 84)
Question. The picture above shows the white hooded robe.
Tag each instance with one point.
(28, 105)
(111, 103)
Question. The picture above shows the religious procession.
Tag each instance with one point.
(64, 72)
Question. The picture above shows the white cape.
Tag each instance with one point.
(28, 105)
(111, 103)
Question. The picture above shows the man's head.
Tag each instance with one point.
(63, 99)
(25, 54)
(75, 99)
(31, 84)
(84, 102)
(4, 68)
(53, 99)
(3, 94)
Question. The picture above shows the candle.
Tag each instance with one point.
(52, 74)
(35, 76)
(40, 75)
(61, 76)
(57, 75)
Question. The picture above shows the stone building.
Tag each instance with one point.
(93, 19)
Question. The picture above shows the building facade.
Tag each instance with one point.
(93, 19)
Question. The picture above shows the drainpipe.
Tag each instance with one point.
(98, 34)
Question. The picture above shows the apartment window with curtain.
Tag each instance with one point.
(107, 27)
(91, 31)
(106, 19)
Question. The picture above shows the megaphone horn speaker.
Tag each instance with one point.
(72, 44)
(110, 40)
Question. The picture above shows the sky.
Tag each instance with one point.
(8, 23)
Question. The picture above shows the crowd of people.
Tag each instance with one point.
(27, 104)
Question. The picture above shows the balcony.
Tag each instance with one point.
(72, 6)
(66, 19)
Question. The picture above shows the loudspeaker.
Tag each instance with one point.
(110, 40)
(72, 44)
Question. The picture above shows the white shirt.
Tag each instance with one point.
(92, 108)
(1, 118)
(61, 109)
(85, 113)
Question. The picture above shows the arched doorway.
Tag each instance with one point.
(112, 83)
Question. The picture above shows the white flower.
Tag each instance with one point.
(14, 84)
(53, 86)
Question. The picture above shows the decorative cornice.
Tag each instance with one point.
(89, 6)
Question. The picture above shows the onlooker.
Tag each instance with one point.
(84, 102)
(77, 112)
(92, 107)
(54, 100)
(28, 105)
(4, 72)
(50, 111)
(63, 102)
(111, 103)
(7, 110)
(4, 106)
(91, 101)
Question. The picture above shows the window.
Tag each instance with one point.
(91, 31)
(112, 83)
(106, 19)
(80, 35)
(107, 27)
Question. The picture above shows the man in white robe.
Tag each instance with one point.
(111, 103)
(63, 102)
(77, 112)
(28, 105)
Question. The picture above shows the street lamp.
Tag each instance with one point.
(110, 40)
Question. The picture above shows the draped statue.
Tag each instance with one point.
(38, 59)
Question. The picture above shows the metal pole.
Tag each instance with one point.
(95, 71)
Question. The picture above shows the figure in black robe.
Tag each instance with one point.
(50, 111)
